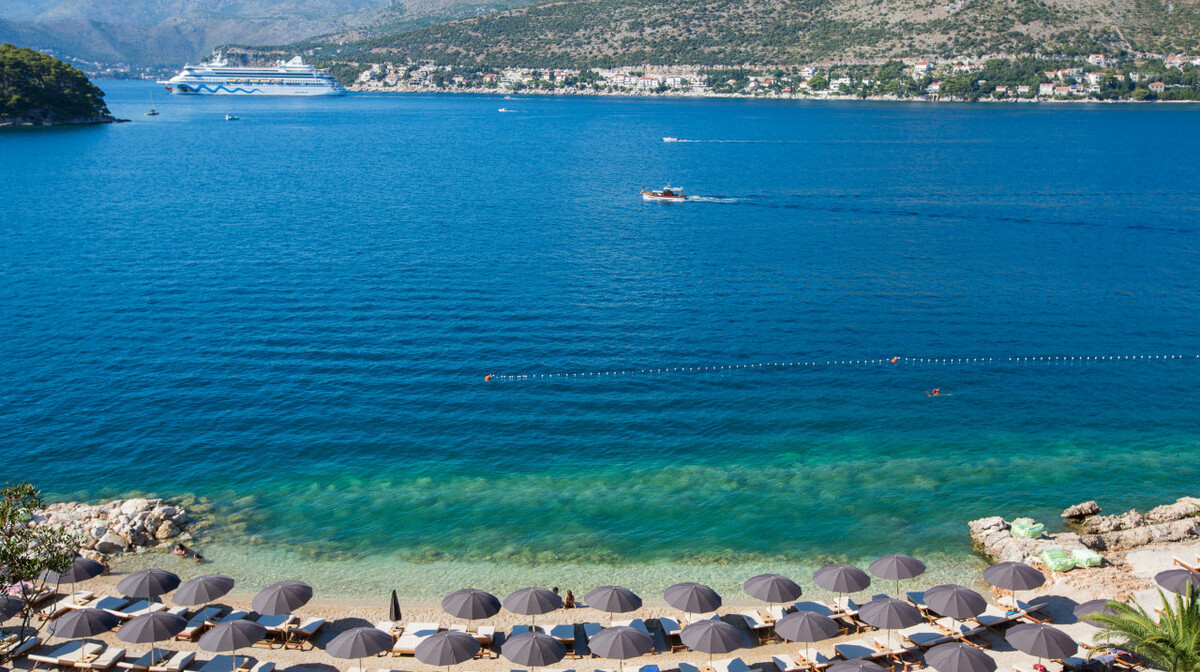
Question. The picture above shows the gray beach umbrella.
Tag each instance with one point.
(897, 567)
(283, 597)
(620, 642)
(394, 613)
(890, 614)
(81, 569)
(10, 606)
(359, 643)
(711, 636)
(772, 588)
(147, 584)
(841, 578)
(533, 601)
(533, 649)
(692, 597)
(857, 666)
(231, 636)
(959, 657)
(151, 628)
(1013, 576)
(79, 623)
(447, 648)
(1043, 641)
(957, 602)
(1091, 608)
(471, 604)
(203, 590)
(1177, 580)
(806, 627)
(613, 599)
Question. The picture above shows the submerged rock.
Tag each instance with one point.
(1081, 510)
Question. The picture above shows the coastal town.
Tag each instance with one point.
(1096, 77)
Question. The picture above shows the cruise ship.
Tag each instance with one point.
(217, 77)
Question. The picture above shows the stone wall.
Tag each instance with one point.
(117, 526)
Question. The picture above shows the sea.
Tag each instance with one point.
(418, 342)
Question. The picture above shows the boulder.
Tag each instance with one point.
(132, 506)
(1082, 510)
(111, 542)
(166, 530)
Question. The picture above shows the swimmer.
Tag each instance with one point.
(935, 392)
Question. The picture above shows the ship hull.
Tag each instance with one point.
(230, 89)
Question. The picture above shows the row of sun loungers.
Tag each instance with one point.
(84, 655)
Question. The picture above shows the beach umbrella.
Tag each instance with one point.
(394, 613)
(1013, 576)
(148, 584)
(841, 578)
(1041, 640)
(151, 628)
(471, 604)
(231, 636)
(81, 569)
(79, 623)
(203, 590)
(283, 597)
(359, 643)
(957, 602)
(857, 666)
(897, 567)
(889, 613)
(533, 649)
(533, 601)
(447, 648)
(711, 636)
(1177, 580)
(772, 588)
(959, 657)
(620, 643)
(10, 606)
(692, 598)
(613, 599)
(806, 627)
(1091, 608)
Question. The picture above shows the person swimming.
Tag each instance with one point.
(935, 392)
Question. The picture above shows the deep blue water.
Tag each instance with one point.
(293, 314)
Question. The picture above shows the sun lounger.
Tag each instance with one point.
(105, 661)
(137, 609)
(297, 637)
(730, 665)
(637, 624)
(992, 618)
(592, 629)
(486, 635)
(414, 634)
(15, 650)
(672, 630)
(224, 663)
(563, 632)
(857, 649)
(1031, 612)
(109, 602)
(522, 629)
(761, 629)
(964, 632)
(66, 654)
(688, 667)
(231, 616)
(263, 666)
(80, 598)
(178, 662)
(142, 662)
(776, 612)
(819, 661)
(923, 636)
(785, 663)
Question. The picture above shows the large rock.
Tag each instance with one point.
(132, 506)
(166, 530)
(111, 542)
(1082, 510)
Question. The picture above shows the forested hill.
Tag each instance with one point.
(605, 33)
(37, 89)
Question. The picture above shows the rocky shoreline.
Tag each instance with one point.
(46, 118)
(119, 526)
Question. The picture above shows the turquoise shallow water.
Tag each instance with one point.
(291, 316)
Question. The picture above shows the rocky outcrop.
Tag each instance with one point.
(1168, 523)
(118, 526)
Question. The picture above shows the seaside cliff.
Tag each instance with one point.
(39, 90)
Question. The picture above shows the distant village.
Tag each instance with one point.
(1097, 76)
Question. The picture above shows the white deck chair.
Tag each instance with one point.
(731, 665)
(105, 661)
(785, 663)
(178, 662)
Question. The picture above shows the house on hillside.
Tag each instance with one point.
(1002, 90)
(934, 88)
(922, 68)
(1173, 61)
(649, 82)
(1157, 87)
(1062, 91)
(1098, 59)
(1024, 90)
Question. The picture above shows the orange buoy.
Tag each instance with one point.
(895, 359)
(487, 378)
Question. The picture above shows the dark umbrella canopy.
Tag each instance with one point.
(711, 636)
(1043, 641)
(147, 584)
(533, 649)
(282, 598)
(1177, 580)
(890, 613)
(841, 578)
(394, 613)
(1013, 576)
(772, 588)
(613, 599)
(955, 601)
(231, 636)
(807, 627)
(81, 569)
(202, 590)
(857, 666)
(447, 648)
(959, 657)
(1091, 608)
(532, 601)
(620, 643)
(10, 606)
(359, 643)
(152, 627)
(897, 567)
(692, 597)
(471, 604)
(83, 623)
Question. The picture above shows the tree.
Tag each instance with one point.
(26, 552)
(1171, 643)
(32, 83)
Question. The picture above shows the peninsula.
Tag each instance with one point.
(39, 90)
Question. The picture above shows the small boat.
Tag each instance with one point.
(664, 195)
(152, 113)
(670, 139)
(503, 109)
(231, 117)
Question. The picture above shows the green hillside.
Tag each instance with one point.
(38, 89)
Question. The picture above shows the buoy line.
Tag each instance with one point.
(886, 361)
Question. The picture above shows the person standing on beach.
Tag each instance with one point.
(569, 600)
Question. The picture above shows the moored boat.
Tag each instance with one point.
(666, 195)
(670, 138)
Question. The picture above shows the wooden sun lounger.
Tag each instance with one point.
(730, 665)
(635, 623)
(224, 663)
(80, 598)
(15, 650)
(109, 602)
(672, 630)
(858, 649)
(992, 618)
(819, 660)
(905, 656)
(178, 662)
(66, 654)
(142, 662)
(414, 634)
(785, 663)
(764, 631)
(137, 609)
(1032, 612)
(105, 661)
(302, 634)
(231, 616)
(923, 636)
(963, 632)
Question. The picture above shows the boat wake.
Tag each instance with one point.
(712, 199)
